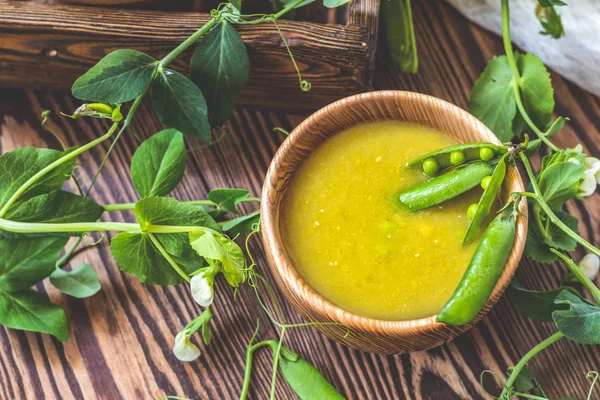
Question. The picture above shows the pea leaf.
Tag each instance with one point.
(304, 379)
(536, 89)
(580, 322)
(538, 248)
(550, 20)
(400, 34)
(492, 100)
(120, 76)
(220, 68)
(241, 225)
(56, 207)
(559, 182)
(219, 250)
(334, 3)
(17, 166)
(537, 305)
(25, 262)
(237, 4)
(180, 104)
(525, 379)
(159, 163)
(28, 310)
(163, 211)
(135, 253)
(81, 282)
(548, 3)
(228, 199)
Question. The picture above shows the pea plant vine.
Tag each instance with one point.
(172, 242)
(513, 96)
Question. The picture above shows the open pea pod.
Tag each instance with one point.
(471, 151)
(486, 201)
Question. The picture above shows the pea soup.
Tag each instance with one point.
(352, 241)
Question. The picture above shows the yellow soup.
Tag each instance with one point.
(350, 239)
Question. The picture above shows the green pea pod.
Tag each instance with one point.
(445, 187)
(306, 381)
(471, 151)
(486, 201)
(483, 271)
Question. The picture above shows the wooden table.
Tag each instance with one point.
(121, 338)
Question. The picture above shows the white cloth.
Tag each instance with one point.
(576, 56)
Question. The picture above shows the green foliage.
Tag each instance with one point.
(56, 207)
(81, 282)
(159, 163)
(222, 252)
(550, 3)
(120, 76)
(550, 20)
(25, 262)
(220, 68)
(559, 182)
(18, 166)
(135, 253)
(541, 240)
(334, 3)
(493, 102)
(525, 380)
(537, 305)
(28, 310)
(166, 211)
(228, 199)
(400, 34)
(180, 104)
(581, 322)
(241, 225)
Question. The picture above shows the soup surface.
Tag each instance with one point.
(349, 238)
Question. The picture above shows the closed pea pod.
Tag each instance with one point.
(445, 187)
(484, 270)
(486, 201)
(306, 381)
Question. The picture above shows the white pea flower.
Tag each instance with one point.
(592, 164)
(587, 185)
(185, 350)
(589, 265)
(202, 288)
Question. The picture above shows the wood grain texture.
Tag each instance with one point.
(369, 334)
(67, 40)
(121, 338)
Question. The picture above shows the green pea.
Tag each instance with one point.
(485, 183)
(472, 210)
(484, 270)
(445, 187)
(431, 166)
(457, 157)
(486, 154)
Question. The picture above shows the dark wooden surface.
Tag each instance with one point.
(68, 40)
(121, 338)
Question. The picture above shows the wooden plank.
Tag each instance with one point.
(50, 46)
(121, 338)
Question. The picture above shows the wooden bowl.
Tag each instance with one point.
(365, 333)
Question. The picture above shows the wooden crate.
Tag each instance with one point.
(50, 45)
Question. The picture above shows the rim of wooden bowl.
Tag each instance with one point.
(275, 188)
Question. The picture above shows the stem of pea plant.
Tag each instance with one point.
(248, 372)
(187, 43)
(67, 256)
(589, 285)
(276, 356)
(550, 213)
(506, 391)
(207, 203)
(168, 257)
(517, 77)
(53, 165)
